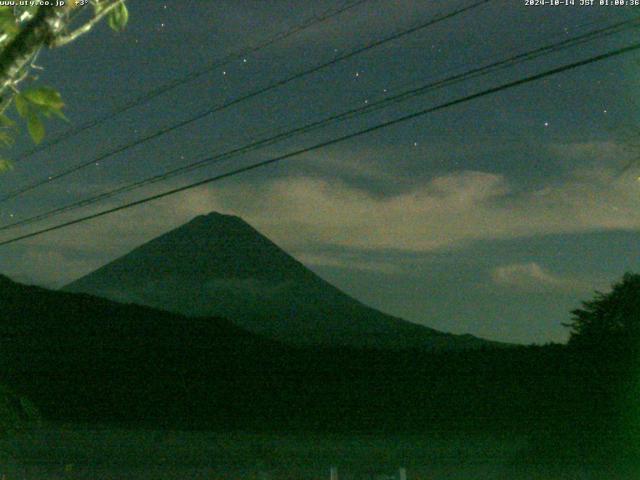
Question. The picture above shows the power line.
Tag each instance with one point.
(240, 99)
(375, 106)
(189, 77)
(334, 141)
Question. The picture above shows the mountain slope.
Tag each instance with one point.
(219, 265)
(80, 357)
(88, 359)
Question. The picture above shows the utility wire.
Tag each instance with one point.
(240, 99)
(189, 77)
(375, 106)
(333, 141)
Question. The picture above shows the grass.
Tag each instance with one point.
(76, 452)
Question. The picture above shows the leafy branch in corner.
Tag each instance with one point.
(24, 32)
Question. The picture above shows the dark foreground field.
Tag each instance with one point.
(500, 412)
(82, 453)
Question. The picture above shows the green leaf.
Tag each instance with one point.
(44, 96)
(118, 17)
(58, 113)
(6, 121)
(48, 112)
(8, 21)
(98, 6)
(22, 106)
(36, 127)
(5, 165)
(6, 14)
(6, 138)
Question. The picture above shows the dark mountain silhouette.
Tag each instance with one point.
(89, 359)
(84, 357)
(81, 358)
(218, 265)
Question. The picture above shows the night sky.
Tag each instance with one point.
(494, 217)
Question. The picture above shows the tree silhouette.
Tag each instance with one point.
(611, 320)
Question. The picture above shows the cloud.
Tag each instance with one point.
(447, 212)
(531, 277)
(309, 214)
(333, 213)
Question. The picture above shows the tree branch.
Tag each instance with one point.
(65, 39)
(6, 102)
(17, 55)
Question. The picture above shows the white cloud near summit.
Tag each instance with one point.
(304, 213)
(447, 212)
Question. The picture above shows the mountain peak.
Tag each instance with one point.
(216, 217)
(219, 265)
(217, 223)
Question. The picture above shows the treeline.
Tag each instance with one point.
(83, 359)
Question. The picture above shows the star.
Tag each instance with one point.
(546, 124)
